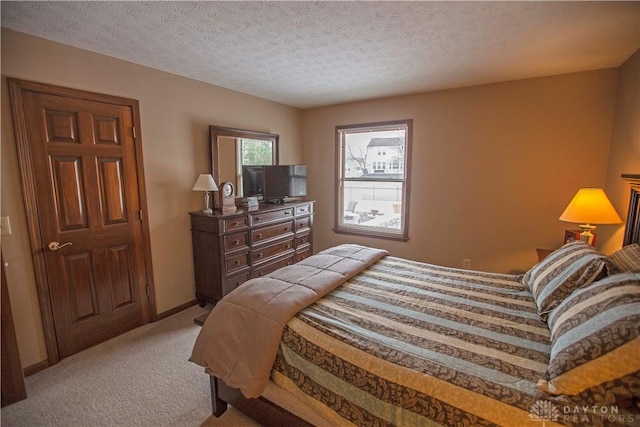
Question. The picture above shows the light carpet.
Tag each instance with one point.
(142, 378)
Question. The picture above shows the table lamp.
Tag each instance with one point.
(590, 206)
(205, 183)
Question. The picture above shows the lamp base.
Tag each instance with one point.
(207, 209)
(587, 235)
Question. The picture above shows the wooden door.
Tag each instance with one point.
(88, 189)
(11, 378)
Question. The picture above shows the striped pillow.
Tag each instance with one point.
(595, 342)
(627, 258)
(566, 269)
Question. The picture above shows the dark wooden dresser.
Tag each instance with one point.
(229, 249)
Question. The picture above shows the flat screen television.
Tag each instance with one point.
(252, 181)
(274, 183)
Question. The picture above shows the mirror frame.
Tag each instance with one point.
(217, 131)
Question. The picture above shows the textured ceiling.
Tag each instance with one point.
(308, 54)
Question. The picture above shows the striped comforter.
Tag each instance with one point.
(406, 343)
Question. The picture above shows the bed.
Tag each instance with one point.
(354, 336)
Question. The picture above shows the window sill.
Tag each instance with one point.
(371, 234)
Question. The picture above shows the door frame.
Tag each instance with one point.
(17, 88)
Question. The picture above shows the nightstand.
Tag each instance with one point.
(543, 253)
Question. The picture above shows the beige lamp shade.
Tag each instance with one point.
(590, 206)
(205, 182)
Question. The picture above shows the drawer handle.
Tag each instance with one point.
(288, 262)
(236, 223)
(260, 236)
(237, 262)
(236, 242)
(258, 218)
(287, 212)
(260, 255)
(286, 229)
(287, 246)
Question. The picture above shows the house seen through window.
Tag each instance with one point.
(372, 185)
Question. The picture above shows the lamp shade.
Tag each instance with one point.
(590, 206)
(205, 182)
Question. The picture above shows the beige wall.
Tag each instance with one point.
(175, 114)
(624, 156)
(493, 166)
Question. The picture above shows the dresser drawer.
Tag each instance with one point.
(233, 242)
(302, 240)
(236, 262)
(270, 251)
(235, 223)
(303, 210)
(234, 281)
(265, 217)
(272, 266)
(305, 253)
(272, 232)
(303, 224)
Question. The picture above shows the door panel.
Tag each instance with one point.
(69, 193)
(122, 283)
(110, 174)
(106, 130)
(86, 183)
(82, 293)
(61, 126)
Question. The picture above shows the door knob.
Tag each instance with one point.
(54, 246)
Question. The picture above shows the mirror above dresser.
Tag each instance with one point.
(233, 148)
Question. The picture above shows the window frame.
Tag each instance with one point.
(340, 164)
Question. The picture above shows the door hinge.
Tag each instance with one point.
(146, 288)
(134, 132)
(140, 214)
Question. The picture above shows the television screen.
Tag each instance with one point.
(252, 181)
(281, 181)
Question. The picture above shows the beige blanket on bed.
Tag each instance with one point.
(239, 340)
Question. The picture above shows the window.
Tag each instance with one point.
(372, 185)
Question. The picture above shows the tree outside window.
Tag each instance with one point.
(252, 152)
(372, 185)
(256, 151)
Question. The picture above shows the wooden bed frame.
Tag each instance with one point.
(268, 413)
(632, 226)
(262, 410)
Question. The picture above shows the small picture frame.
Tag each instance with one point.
(252, 202)
(574, 235)
(570, 236)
